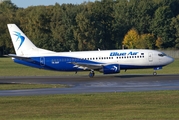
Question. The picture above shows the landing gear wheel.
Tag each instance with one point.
(91, 74)
(154, 73)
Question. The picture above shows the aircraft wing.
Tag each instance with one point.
(87, 65)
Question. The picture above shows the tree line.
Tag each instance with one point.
(105, 24)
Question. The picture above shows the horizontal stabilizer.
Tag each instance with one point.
(15, 56)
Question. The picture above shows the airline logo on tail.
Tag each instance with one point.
(19, 37)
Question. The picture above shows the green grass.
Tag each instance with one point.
(160, 105)
(9, 68)
(20, 86)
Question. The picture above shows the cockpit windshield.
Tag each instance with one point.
(162, 54)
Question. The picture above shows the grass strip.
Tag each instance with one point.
(20, 86)
(155, 105)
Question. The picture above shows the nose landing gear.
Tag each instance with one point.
(154, 73)
(156, 68)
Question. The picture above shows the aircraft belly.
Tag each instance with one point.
(63, 66)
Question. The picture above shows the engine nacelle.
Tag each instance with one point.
(111, 69)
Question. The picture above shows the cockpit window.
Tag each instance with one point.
(162, 54)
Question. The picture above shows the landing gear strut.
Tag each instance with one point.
(91, 74)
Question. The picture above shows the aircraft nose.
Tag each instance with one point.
(170, 60)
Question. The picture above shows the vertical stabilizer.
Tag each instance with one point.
(22, 45)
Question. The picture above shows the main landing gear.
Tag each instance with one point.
(91, 74)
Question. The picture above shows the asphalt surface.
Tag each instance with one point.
(98, 84)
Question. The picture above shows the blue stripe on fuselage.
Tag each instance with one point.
(59, 63)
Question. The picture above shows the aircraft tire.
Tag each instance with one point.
(91, 74)
(154, 73)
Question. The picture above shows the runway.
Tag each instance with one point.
(98, 84)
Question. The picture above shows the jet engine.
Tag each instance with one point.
(111, 69)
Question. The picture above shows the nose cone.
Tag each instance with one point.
(170, 59)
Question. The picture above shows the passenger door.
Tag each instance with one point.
(150, 57)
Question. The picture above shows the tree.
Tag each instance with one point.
(94, 26)
(121, 24)
(91, 25)
(7, 15)
(84, 32)
(131, 39)
(159, 42)
(175, 25)
(160, 26)
(146, 41)
(68, 21)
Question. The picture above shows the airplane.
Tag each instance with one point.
(105, 61)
